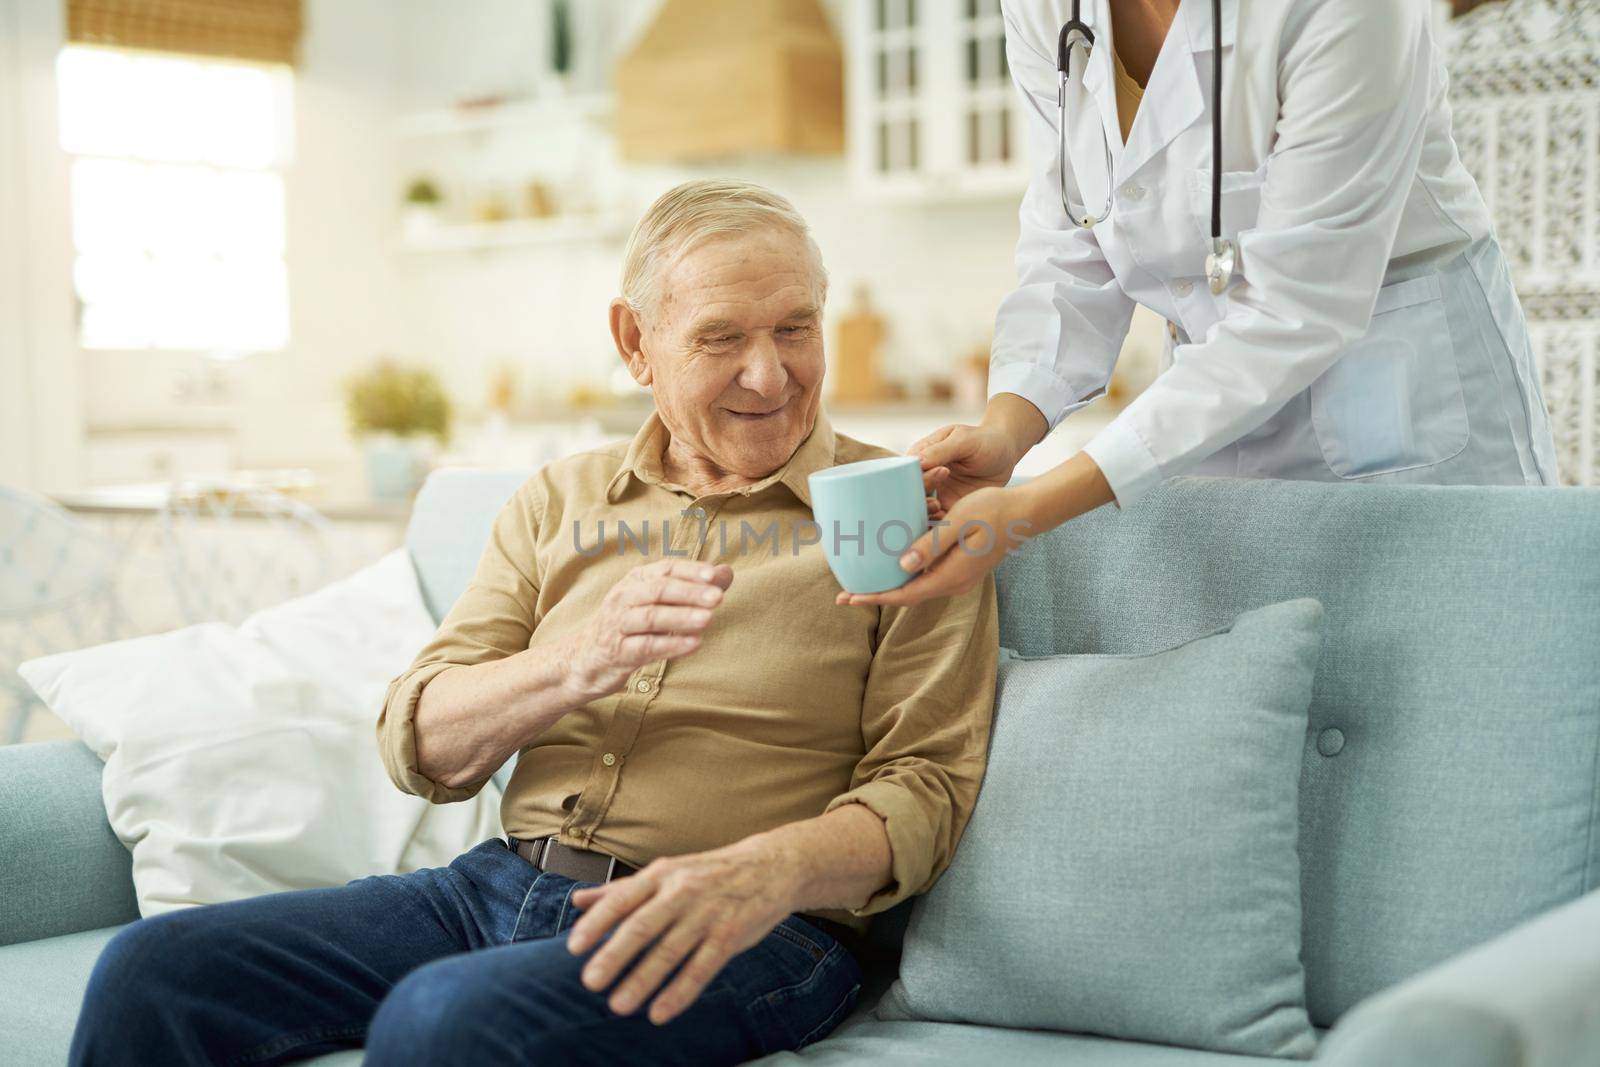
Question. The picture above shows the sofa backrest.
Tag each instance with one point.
(1450, 784)
(449, 526)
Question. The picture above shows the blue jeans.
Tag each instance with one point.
(453, 965)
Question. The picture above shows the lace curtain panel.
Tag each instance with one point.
(1525, 87)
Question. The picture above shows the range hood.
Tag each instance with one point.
(716, 79)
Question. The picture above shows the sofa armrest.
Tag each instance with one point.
(61, 867)
(1525, 999)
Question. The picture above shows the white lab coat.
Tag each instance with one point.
(1370, 331)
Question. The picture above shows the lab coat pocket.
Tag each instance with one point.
(1393, 400)
(1241, 201)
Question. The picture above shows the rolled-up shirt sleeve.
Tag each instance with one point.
(925, 721)
(494, 618)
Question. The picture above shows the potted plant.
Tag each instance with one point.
(401, 415)
(560, 68)
(421, 213)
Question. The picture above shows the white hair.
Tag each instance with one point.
(690, 214)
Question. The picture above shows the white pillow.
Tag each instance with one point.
(244, 760)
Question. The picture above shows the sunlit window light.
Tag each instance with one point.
(177, 199)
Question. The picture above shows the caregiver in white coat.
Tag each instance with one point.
(1368, 332)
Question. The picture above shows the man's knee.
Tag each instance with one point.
(434, 1015)
(143, 959)
(137, 981)
(466, 1009)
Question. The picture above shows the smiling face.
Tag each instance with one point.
(733, 352)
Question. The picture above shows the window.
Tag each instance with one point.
(177, 200)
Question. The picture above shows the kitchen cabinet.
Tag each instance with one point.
(932, 113)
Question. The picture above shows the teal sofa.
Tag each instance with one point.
(1450, 783)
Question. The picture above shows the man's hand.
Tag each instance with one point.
(656, 611)
(704, 908)
(708, 907)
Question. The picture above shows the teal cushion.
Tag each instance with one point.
(1449, 787)
(1130, 869)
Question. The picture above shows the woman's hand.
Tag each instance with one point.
(959, 460)
(960, 551)
(985, 526)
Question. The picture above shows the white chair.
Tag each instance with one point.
(57, 593)
(231, 550)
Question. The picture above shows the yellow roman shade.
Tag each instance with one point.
(263, 30)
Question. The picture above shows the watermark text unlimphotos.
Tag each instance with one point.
(974, 537)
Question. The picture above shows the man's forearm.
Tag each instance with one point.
(835, 861)
(470, 720)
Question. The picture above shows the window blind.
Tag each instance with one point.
(262, 30)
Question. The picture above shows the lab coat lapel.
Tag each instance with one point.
(1098, 79)
(1176, 97)
(1090, 99)
(1196, 18)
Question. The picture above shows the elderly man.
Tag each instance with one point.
(720, 773)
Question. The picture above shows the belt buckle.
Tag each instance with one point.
(540, 857)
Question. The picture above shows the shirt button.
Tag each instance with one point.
(1183, 288)
(609, 760)
(697, 513)
(643, 685)
(1133, 192)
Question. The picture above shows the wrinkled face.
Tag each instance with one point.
(732, 350)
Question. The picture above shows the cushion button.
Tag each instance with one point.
(1330, 741)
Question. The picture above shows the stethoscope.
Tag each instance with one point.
(1220, 263)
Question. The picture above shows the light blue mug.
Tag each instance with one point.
(868, 514)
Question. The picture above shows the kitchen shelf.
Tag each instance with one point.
(543, 111)
(513, 233)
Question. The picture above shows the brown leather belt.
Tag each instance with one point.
(579, 864)
(582, 865)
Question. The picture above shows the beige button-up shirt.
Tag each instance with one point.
(791, 707)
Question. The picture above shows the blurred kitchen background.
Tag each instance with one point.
(263, 263)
